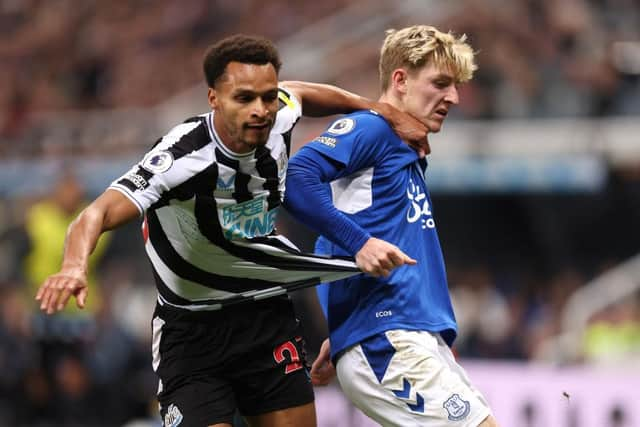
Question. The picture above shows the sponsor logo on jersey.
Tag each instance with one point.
(384, 313)
(457, 408)
(327, 140)
(173, 416)
(158, 162)
(247, 219)
(137, 180)
(342, 126)
(227, 185)
(419, 208)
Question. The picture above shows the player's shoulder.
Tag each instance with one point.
(289, 111)
(361, 123)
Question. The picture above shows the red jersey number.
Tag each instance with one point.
(287, 352)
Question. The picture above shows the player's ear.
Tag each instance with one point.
(399, 80)
(213, 98)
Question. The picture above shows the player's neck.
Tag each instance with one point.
(392, 100)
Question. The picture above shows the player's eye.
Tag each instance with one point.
(270, 97)
(244, 98)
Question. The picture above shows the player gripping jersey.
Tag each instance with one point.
(210, 217)
(225, 334)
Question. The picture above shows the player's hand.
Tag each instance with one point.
(408, 128)
(55, 292)
(322, 370)
(377, 258)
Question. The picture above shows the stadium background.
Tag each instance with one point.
(535, 181)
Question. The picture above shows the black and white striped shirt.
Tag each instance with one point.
(210, 217)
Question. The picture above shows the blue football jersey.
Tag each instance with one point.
(382, 188)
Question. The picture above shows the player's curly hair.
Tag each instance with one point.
(239, 48)
(415, 46)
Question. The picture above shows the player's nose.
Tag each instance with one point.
(259, 108)
(452, 96)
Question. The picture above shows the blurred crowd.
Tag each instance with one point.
(537, 58)
(61, 54)
(552, 58)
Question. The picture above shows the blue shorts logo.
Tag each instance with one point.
(457, 408)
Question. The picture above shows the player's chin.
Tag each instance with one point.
(255, 142)
(435, 125)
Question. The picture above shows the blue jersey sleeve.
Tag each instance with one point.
(351, 143)
(308, 174)
(355, 141)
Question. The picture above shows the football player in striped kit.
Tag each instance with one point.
(225, 336)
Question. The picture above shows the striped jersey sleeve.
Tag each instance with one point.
(177, 157)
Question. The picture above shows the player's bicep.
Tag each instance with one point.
(116, 209)
(310, 161)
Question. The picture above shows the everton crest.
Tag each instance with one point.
(457, 408)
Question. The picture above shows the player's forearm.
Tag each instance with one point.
(107, 212)
(323, 100)
(82, 238)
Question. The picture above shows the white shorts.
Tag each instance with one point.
(410, 378)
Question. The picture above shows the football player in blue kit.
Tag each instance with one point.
(390, 329)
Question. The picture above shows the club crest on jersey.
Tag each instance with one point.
(457, 408)
(342, 126)
(173, 416)
(158, 161)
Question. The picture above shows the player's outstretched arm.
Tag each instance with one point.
(320, 100)
(107, 212)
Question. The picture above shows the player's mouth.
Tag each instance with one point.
(258, 126)
(441, 113)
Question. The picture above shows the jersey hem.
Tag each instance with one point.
(356, 339)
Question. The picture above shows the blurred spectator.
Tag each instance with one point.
(613, 335)
(46, 227)
(19, 359)
(543, 319)
(486, 326)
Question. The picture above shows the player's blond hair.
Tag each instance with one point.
(416, 46)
